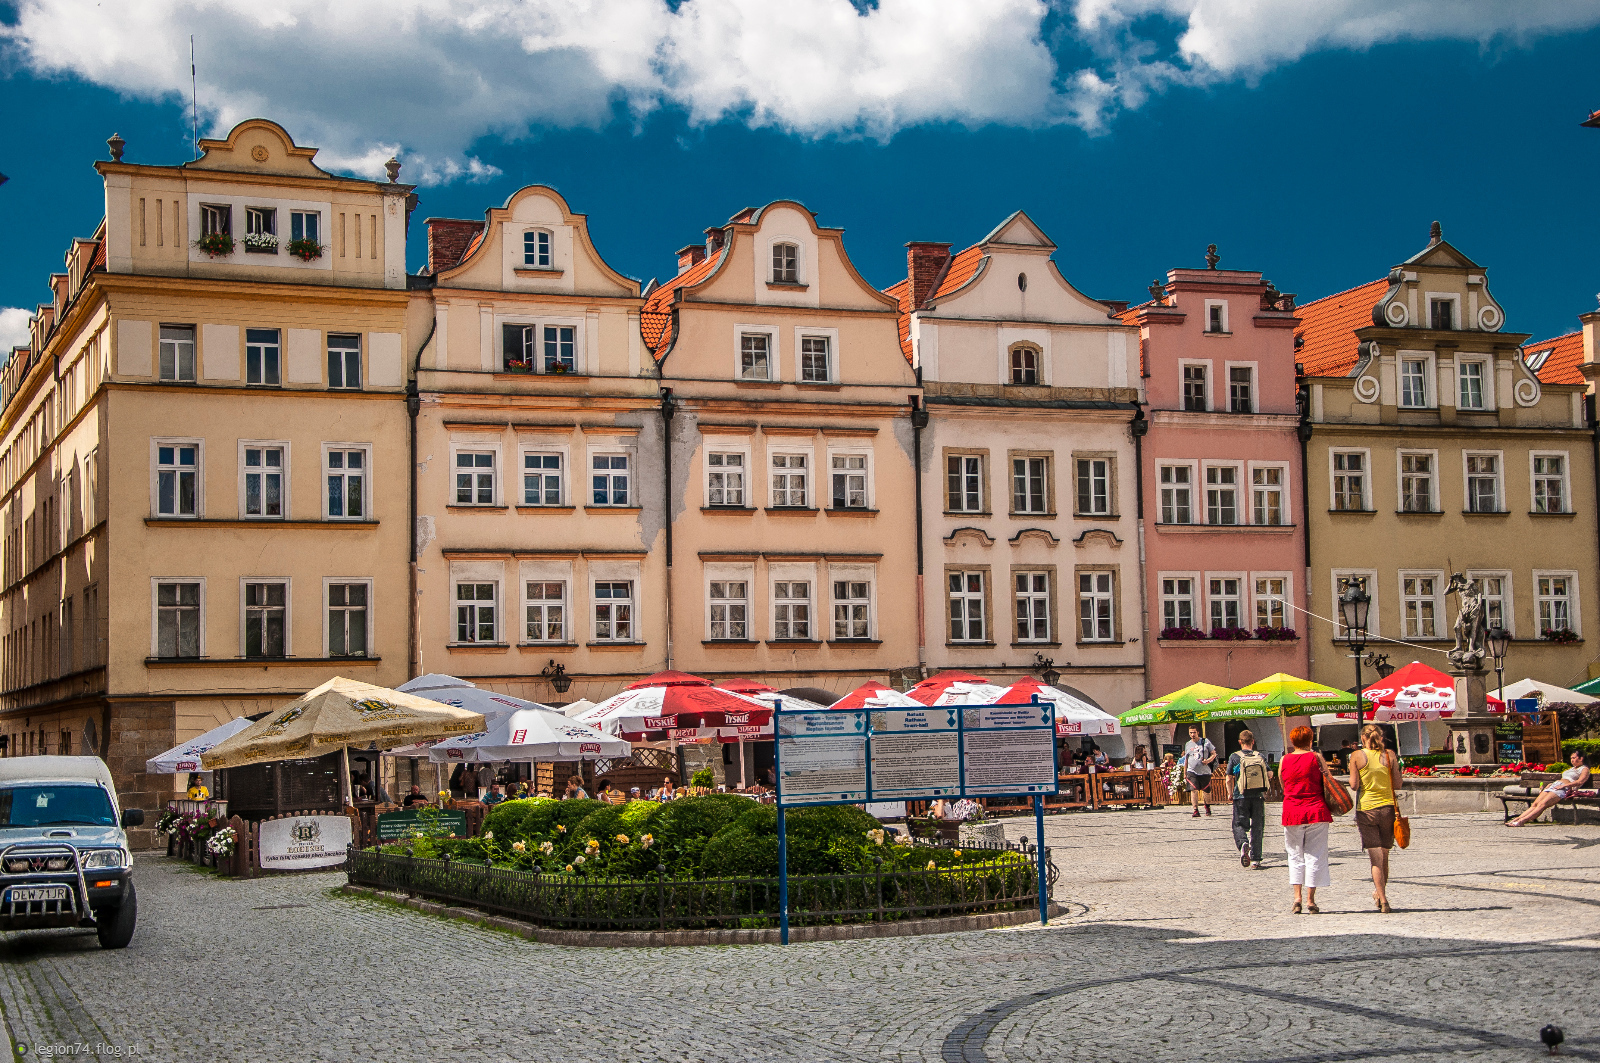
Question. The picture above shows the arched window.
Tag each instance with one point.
(785, 264)
(1024, 365)
(536, 249)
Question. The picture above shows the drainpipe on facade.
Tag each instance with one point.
(1594, 434)
(1139, 426)
(414, 610)
(919, 421)
(669, 406)
(1303, 431)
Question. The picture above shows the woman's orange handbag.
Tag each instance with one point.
(1335, 794)
(1402, 830)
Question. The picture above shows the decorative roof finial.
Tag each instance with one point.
(1435, 234)
(393, 166)
(116, 144)
(1212, 258)
(1158, 291)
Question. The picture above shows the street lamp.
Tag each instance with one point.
(1046, 667)
(1499, 643)
(557, 674)
(1354, 604)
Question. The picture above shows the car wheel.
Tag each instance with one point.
(115, 925)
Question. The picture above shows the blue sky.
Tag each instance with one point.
(1134, 131)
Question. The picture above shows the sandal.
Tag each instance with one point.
(1383, 906)
(1296, 909)
(1313, 909)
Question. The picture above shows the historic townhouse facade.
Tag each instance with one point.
(211, 412)
(1225, 551)
(1434, 449)
(1029, 532)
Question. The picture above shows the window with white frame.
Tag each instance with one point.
(1222, 494)
(345, 470)
(545, 610)
(730, 606)
(1094, 486)
(1225, 599)
(347, 618)
(1442, 313)
(964, 492)
(1483, 483)
(785, 263)
(177, 353)
(344, 362)
(1416, 482)
(724, 478)
(1419, 604)
(1497, 605)
(474, 478)
(613, 611)
(1177, 503)
(263, 474)
(1024, 365)
(266, 618)
(1470, 389)
(1266, 489)
(815, 360)
(541, 478)
(852, 609)
(755, 356)
(1177, 602)
(519, 347)
(560, 349)
(1096, 607)
(178, 605)
(791, 609)
(1216, 315)
(306, 225)
(966, 596)
(789, 475)
(1414, 382)
(216, 219)
(1241, 389)
(608, 479)
(1350, 480)
(262, 357)
(1032, 597)
(1272, 593)
(1195, 397)
(261, 230)
(1030, 485)
(476, 615)
(1550, 483)
(1554, 596)
(849, 474)
(536, 249)
(177, 479)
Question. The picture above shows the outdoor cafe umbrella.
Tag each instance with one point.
(930, 689)
(1413, 693)
(185, 756)
(1276, 695)
(1180, 706)
(515, 729)
(335, 716)
(1073, 716)
(674, 705)
(874, 695)
(1544, 693)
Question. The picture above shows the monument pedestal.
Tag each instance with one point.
(1472, 727)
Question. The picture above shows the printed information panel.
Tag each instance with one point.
(916, 753)
(1008, 749)
(822, 757)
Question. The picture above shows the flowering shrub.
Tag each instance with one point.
(1564, 634)
(167, 824)
(1420, 772)
(1465, 770)
(216, 245)
(305, 250)
(1276, 634)
(1182, 634)
(222, 842)
(1230, 633)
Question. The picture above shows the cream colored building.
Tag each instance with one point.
(203, 455)
(1030, 532)
(1434, 449)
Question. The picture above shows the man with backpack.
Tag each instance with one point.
(1249, 778)
(1199, 760)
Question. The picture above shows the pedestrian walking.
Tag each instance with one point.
(1375, 772)
(1199, 761)
(1249, 778)
(1305, 819)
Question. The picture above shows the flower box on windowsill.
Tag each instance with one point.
(305, 250)
(261, 243)
(519, 367)
(216, 245)
(1210, 643)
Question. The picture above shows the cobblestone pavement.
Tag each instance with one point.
(1169, 951)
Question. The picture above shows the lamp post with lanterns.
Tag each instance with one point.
(558, 677)
(1499, 642)
(1354, 604)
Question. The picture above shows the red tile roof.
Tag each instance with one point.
(1556, 361)
(655, 317)
(901, 291)
(959, 271)
(1328, 328)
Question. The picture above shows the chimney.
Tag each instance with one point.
(714, 240)
(689, 256)
(924, 263)
(448, 239)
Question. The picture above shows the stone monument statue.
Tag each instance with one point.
(1471, 726)
(1472, 626)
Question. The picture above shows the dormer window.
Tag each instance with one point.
(536, 249)
(1217, 317)
(1024, 365)
(785, 264)
(1441, 314)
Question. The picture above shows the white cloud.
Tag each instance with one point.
(13, 330)
(363, 79)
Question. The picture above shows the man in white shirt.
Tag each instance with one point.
(1199, 760)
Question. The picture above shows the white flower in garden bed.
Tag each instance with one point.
(222, 842)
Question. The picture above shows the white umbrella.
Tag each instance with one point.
(1547, 693)
(576, 708)
(1074, 716)
(534, 733)
(963, 693)
(674, 705)
(185, 756)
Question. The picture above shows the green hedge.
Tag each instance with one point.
(1589, 747)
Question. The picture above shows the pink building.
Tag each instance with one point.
(1221, 500)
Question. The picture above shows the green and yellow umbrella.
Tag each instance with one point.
(1276, 695)
(1181, 706)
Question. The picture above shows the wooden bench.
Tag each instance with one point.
(1533, 784)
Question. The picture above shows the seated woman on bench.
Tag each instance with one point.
(1570, 782)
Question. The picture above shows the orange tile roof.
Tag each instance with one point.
(901, 291)
(655, 317)
(1556, 361)
(1328, 328)
(957, 272)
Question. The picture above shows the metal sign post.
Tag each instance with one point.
(1038, 832)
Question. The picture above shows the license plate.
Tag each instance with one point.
(21, 895)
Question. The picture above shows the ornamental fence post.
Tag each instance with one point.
(661, 895)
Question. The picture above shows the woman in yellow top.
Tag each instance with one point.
(1376, 774)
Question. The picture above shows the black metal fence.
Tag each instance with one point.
(1005, 883)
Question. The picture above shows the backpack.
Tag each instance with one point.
(1252, 770)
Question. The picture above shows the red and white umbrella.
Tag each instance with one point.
(935, 687)
(769, 696)
(1413, 693)
(1073, 715)
(874, 695)
(674, 705)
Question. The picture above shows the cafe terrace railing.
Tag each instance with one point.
(1006, 881)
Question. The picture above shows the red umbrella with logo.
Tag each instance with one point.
(873, 695)
(927, 692)
(674, 705)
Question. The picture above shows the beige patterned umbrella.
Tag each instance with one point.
(337, 715)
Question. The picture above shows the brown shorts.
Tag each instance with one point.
(1377, 827)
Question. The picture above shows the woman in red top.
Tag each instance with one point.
(1305, 819)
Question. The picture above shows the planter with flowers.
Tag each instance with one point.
(261, 243)
(217, 245)
(519, 365)
(1560, 635)
(1183, 634)
(1230, 634)
(305, 249)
